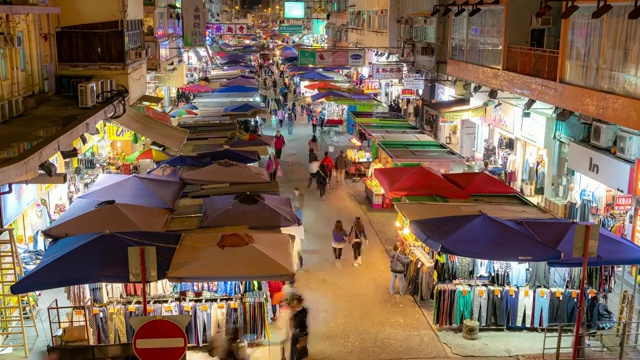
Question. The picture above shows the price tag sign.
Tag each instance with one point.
(187, 308)
(94, 311)
(526, 293)
(78, 312)
(512, 291)
(574, 294)
(234, 305)
(496, 292)
(481, 293)
(131, 308)
(220, 306)
(592, 293)
(204, 308)
(149, 309)
(558, 294)
(168, 308)
(542, 293)
(112, 310)
(464, 292)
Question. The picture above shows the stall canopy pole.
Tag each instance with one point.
(585, 257)
(143, 269)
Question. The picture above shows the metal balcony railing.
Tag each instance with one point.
(535, 62)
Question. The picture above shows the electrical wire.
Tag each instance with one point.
(115, 97)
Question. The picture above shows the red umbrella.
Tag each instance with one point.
(416, 181)
(322, 85)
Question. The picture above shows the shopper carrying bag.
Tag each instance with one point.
(357, 235)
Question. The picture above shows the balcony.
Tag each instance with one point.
(534, 62)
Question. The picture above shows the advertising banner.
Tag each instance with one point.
(340, 58)
(598, 165)
(324, 58)
(356, 58)
(386, 71)
(306, 57)
(290, 29)
(194, 22)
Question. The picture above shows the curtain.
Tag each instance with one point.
(604, 54)
(458, 38)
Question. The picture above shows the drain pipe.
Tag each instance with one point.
(9, 190)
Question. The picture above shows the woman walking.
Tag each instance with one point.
(357, 234)
(313, 144)
(272, 167)
(339, 239)
(299, 327)
(321, 180)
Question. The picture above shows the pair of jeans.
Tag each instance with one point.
(290, 128)
(495, 307)
(273, 175)
(103, 326)
(480, 300)
(463, 305)
(203, 324)
(510, 317)
(117, 325)
(357, 249)
(525, 307)
(323, 189)
(541, 308)
(314, 128)
(400, 278)
(127, 316)
(337, 253)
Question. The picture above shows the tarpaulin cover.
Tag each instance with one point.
(136, 190)
(224, 172)
(239, 156)
(330, 94)
(323, 85)
(95, 258)
(246, 141)
(236, 89)
(240, 82)
(204, 257)
(288, 53)
(243, 77)
(559, 234)
(242, 108)
(253, 210)
(300, 69)
(482, 237)
(416, 181)
(187, 160)
(240, 67)
(479, 183)
(233, 57)
(197, 88)
(89, 216)
(314, 75)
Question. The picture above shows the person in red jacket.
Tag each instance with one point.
(274, 288)
(278, 144)
(329, 165)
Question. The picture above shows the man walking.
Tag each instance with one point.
(291, 119)
(341, 167)
(398, 261)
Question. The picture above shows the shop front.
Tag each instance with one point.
(455, 123)
(374, 116)
(600, 188)
(499, 145)
(388, 76)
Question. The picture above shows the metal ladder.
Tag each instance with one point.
(14, 309)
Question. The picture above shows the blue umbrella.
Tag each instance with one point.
(239, 156)
(236, 89)
(186, 160)
(95, 258)
(559, 234)
(314, 75)
(189, 107)
(482, 237)
(290, 59)
(242, 108)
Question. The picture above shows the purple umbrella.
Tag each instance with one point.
(137, 190)
(240, 82)
(559, 234)
(253, 210)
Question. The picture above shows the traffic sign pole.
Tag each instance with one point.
(143, 266)
(160, 339)
(585, 258)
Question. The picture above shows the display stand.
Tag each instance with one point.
(375, 197)
(14, 309)
(76, 319)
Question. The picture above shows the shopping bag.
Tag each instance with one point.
(279, 173)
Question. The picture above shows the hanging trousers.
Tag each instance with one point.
(525, 307)
(103, 326)
(557, 308)
(464, 297)
(541, 308)
(495, 307)
(571, 306)
(127, 316)
(116, 322)
(480, 298)
(204, 324)
(510, 307)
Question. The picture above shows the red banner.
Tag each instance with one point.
(623, 203)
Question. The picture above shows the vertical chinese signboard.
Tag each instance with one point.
(194, 22)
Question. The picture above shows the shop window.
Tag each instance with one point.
(479, 40)
(21, 51)
(603, 54)
(3, 64)
(458, 37)
(383, 19)
(371, 19)
(148, 24)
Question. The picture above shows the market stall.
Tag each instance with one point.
(427, 153)
(372, 116)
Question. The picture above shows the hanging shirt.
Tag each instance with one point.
(519, 274)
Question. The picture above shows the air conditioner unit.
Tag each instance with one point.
(628, 146)
(603, 135)
(431, 22)
(15, 106)
(544, 22)
(110, 85)
(87, 94)
(100, 89)
(4, 111)
(137, 54)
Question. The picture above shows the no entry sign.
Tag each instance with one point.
(160, 339)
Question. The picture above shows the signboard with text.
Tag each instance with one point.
(331, 58)
(413, 82)
(290, 29)
(623, 202)
(501, 117)
(324, 58)
(386, 71)
(194, 22)
(599, 165)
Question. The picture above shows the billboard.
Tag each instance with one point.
(194, 22)
(294, 10)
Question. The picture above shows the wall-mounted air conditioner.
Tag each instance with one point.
(87, 94)
(100, 89)
(603, 135)
(628, 146)
(543, 22)
(15, 106)
(110, 85)
(4, 111)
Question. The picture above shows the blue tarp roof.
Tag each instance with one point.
(242, 108)
(236, 89)
(95, 258)
(482, 237)
(314, 75)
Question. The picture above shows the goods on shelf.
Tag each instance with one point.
(358, 155)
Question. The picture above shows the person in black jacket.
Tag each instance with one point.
(300, 329)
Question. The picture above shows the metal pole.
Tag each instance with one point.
(585, 257)
(143, 273)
